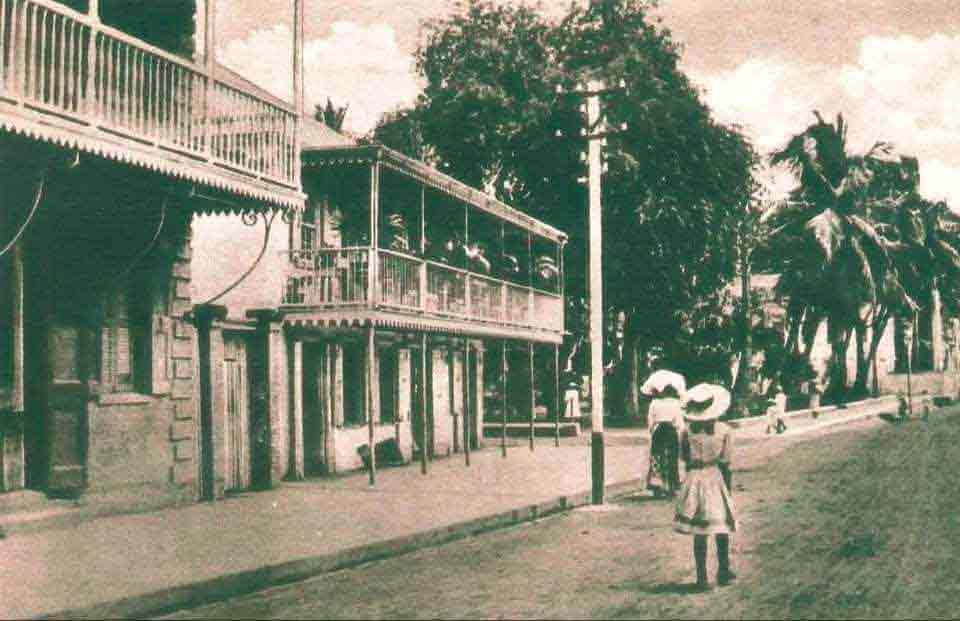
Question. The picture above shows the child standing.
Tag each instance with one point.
(777, 407)
(704, 505)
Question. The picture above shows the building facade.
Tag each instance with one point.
(401, 310)
(116, 129)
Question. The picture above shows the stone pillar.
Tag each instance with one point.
(213, 412)
(270, 330)
(12, 466)
(478, 395)
(184, 441)
(295, 347)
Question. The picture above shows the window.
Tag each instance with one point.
(124, 342)
(354, 385)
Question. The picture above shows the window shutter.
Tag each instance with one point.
(160, 368)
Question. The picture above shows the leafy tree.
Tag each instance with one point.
(492, 114)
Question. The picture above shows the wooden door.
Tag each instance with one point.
(237, 401)
(317, 386)
(63, 408)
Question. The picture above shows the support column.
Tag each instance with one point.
(503, 399)
(533, 396)
(423, 402)
(12, 457)
(371, 397)
(466, 401)
(212, 426)
(556, 396)
(275, 387)
(296, 366)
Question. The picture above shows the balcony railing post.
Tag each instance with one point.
(423, 285)
(467, 294)
(92, 64)
(374, 270)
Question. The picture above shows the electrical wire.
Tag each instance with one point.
(268, 224)
(26, 223)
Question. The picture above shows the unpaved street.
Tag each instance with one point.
(621, 562)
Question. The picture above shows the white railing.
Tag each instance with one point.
(58, 61)
(446, 289)
(328, 277)
(399, 280)
(486, 298)
(518, 304)
(340, 277)
(547, 310)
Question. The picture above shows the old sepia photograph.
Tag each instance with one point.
(479, 309)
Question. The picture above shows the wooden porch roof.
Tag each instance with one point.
(340, 155)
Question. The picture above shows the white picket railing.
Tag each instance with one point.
(341, 277)
(58, 61)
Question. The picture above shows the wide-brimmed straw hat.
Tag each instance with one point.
(659, 381)
(705, 402)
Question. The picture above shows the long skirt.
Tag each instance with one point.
(664, 473)
(704, 505)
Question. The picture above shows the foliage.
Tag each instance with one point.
(330, 115)
(493, 117)
(860, 245)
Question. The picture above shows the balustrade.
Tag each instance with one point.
(59, 61)
(340, 277)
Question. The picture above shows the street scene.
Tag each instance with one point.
(478, 309)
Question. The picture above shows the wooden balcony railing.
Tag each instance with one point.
(341, 278)
(57, 61)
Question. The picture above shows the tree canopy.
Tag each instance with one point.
(500, 110)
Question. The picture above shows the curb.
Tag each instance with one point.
(209, 591)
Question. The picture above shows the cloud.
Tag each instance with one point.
(901, 89)
(357, 65)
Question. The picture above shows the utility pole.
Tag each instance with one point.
(595, 271)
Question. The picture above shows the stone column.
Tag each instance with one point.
(270, 331)
(213, 415)
(295, 347)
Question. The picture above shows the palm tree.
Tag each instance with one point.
(836, 263)
(330, 115)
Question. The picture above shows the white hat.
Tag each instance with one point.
(661, 380)
(705, 402)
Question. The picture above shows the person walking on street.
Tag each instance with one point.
(704, 506)
(665, 422)
(777, 407)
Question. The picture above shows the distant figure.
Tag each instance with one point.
(704, 505)
(666, 425)
(571, 395)
(776, 408)
(903, 408)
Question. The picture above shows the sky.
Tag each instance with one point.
(892, 67)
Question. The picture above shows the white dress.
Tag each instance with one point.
(704, 505)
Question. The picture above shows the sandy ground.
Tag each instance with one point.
(621, 561)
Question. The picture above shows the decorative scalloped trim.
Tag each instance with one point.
(67, 139)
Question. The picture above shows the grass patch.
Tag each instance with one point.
(867, 532)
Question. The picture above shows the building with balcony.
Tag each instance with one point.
(116, 128)
(401, 308)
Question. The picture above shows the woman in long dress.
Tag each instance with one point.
(666, 424)
(704, 505)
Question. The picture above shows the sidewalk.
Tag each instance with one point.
(144, 564)
(137, 565)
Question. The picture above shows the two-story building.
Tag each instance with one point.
(400, 308)
(116, 128)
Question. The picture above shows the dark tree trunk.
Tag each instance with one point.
(632, 393)
(744, 375)
(863, 363)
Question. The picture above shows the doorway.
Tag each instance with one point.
(318, 383)
(236, 396)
